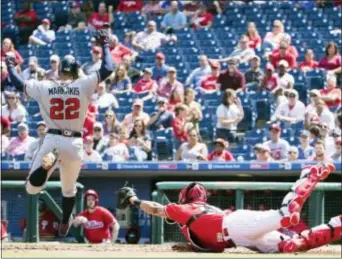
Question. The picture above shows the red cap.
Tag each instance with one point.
(269, 66)
(88, 139)
(160, 55)
(214, 64)
(96, 49)
(46, 21)
(275, 126)
(5, 122)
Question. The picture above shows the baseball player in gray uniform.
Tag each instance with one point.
(63, 105)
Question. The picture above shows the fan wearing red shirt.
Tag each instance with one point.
(96, 20)
(179, 123)
(8, 47)
(98, 223)
(309, 62)
(26, 18)
(146, 84)
(128, 6)
(253, 36)
(270, 81)
(118, 50)
(331, 95)
(220, 154)
(209, 83)
(202, 18)
(283, 55)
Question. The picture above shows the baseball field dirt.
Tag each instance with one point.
(62, 250)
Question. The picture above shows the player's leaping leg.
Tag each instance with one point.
(315, 237)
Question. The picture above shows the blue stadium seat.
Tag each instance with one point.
(248, 121)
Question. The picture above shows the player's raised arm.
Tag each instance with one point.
(16, 79)
(107, 67)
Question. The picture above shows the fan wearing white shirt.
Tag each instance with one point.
(34, 146)
(103, 99)
(291, 111)
(285, 80)
(118, 152)
(324, 114)
(278, 147)
(90, 155)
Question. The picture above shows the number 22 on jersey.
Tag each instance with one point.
(64, 110)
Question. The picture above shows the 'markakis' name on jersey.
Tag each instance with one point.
(64, 91)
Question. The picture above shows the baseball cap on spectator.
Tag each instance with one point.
(255, 57)
(113, 38)
(293, 149)
(275, 126)
(214, 64)
(75, 4)
(160, 55)
(305, 133)
(162, 100)
(33, 60)
(220, 141)
(98, 125)
(148, 70)
(54, 58)
(233, 61)
(46, 21)
(172, 69)
(269, 66)
(41, 123)
(283, 63)
(315, 92)
(22, 126)
(262, 147)
(292, 91)
(88, 139)
(138, 102)
(96, 49)
(5, 122)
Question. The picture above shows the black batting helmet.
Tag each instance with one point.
(69, 65)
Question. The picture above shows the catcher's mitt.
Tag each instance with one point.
(11, 60)
(124, 194)
(102, 37)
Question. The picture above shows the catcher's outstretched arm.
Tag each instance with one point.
(150, 207)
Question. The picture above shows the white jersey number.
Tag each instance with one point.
(64, 110)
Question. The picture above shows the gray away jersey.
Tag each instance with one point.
(63, 105)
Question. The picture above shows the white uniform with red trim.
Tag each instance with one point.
(63, 106)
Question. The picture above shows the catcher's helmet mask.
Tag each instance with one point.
(187, 191)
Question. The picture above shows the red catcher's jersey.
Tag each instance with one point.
(205, 232)
(97, 228)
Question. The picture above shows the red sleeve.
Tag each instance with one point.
(301, 65)
(229, 157)
(292, 61)
(91, 18)
(34, 16)
(175, 212)
(108, 217)
(211, 156)
(177, 126)
(137, 87)
(274, 60)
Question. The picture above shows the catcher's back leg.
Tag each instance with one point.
(318, 236)
(294, 201)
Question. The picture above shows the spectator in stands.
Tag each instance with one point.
(162, 119)
(129, 36)
(177, 98)
(309, 62)
(332, 60)
(285, 79)
(254, 39)
(195, 110)
(111, 123)
(97, 20)
(262, 153)
(337, 156)
(315, 134)
(43, 35)
(315, 96)
(13, 110)
(120, 82)
(87, 8)
(174, 19)
(292, 111)
(116, 151)
(102, 99)
(322, 114)
(151, 39)
(242, 53)
(270, 80)
(191, 7)
(118, 50)
(34, 71)
(179, 123)
(152, 9)
(272, 39)
(283, 55)
(140, 141)
(292, 154)
(90, 155)
(228, 114)
(26, 20)
(5, 130)
(95, 64)
(193, 149)
(19, 145)
(77, 20)
(254, 75)
(201, 18)
(278, 146)
(320, 153)
(331, 94)
(35, 144)
(136, 114)
(305, 150)
(130, 6)
(133, 73)
(220, 153)
(160, 69)
(196, 76)
(146, 84)
(209, 82)
(8, 47)
(170, 84)
(100, 142)
(232, 78)
(279, 97)
(166, 4)
(286, 42)
(52, 73)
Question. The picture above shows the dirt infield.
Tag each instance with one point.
(62, 250)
